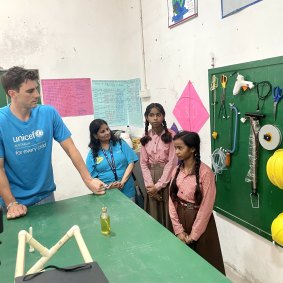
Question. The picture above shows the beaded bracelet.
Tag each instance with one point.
(11, 204)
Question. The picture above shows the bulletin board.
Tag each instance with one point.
(233, 198)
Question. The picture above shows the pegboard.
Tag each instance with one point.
(234, 199)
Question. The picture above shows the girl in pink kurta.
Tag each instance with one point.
(157, 159)
(191, 201)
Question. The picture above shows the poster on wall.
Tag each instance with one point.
(180, 11)
(71, 97)
(118, 102)
(229, 7)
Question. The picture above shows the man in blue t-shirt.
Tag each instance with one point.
(27, 131)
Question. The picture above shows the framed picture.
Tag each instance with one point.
(180, 11)
(229, 7)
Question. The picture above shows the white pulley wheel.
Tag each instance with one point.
(269, 137)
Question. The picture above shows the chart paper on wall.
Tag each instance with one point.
(71, 97)
(118, 102)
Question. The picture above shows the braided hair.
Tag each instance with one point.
(192, 140)
(173, 187)
(166, 137)
(94, 143)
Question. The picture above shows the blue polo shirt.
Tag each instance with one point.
(100, 168)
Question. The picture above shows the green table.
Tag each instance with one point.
(138, 250)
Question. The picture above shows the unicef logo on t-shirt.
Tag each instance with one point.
(38, 133)
(33, 135)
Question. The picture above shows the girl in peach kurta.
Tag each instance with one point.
(157, 159)
(191, 201)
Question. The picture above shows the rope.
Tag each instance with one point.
(218, 160)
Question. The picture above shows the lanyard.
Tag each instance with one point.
(112, 162)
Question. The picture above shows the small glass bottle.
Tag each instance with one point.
(105, 221)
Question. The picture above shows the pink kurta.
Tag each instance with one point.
(187, 185)
(158, 152)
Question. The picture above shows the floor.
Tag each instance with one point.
(234, 276)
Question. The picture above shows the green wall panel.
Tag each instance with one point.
(233, 193)
(3, 99)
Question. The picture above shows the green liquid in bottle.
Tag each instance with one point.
(105, 222)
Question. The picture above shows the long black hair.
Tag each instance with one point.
(192, 140)
(166, 137)
(94, 143)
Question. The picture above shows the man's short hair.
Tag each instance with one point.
(15, 76)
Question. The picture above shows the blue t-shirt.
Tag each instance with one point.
(123, 156)
(26, 148)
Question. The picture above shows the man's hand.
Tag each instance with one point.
(96, 186)
(16, 210)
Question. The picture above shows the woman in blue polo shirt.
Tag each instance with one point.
(110, 159)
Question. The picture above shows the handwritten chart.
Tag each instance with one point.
(118, 102)
(71, 97)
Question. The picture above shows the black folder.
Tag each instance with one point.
(83, 273)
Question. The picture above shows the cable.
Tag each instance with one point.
(218, 160)
(262, 93)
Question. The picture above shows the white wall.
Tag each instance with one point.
(175, 56)
(71, 39)
(101, 40)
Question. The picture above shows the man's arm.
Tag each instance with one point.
(14, 209)
(95, 185)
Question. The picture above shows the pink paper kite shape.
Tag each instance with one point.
(189, 110)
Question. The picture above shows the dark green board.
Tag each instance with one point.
(3, 99)
(233, 193)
